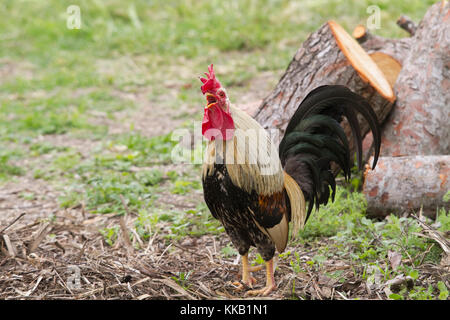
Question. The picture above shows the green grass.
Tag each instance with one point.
(57, 82)
(7, 168)
(340, 230)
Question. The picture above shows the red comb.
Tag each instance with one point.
(210, 84)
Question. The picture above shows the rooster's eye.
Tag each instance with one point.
(221, 94)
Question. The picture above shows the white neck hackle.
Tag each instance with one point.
(251, 158)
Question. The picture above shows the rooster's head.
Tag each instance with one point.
(217, 120)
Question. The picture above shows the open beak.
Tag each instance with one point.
(211, 100)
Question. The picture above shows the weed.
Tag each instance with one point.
(182, 278)
(110, 234)
(6, 168)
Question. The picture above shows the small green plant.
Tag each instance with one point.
(421, 293)
(150, 178)
(447, 196)
(340, 215)
(182, 279)
(145, 224)
(8, 169)
(259, 259)
(110, 234)
(193, 222)
(228, 251)
(27, 196)
(296, 263)
(184, 187)
(443, 290)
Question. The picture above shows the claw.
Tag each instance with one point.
(270, 283)
(261, 292)
(249, 282)
(244, 284)
(239, 286)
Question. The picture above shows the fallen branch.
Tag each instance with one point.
(407, 24)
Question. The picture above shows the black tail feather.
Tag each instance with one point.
(314, 138)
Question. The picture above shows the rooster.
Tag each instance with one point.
(255, 190)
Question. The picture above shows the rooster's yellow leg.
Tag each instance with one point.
(270, 282)
(247, 279)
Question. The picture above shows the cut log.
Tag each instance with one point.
(418, 70)
(360, 33)
(405, 184)
(361, 61)
(417, 132)
(419, 124)
(395, 48)
(321, 61)
(382, 53)
(388, 65)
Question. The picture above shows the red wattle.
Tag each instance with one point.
(217, 124)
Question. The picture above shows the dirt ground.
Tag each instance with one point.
(66, 258)
(53, 253)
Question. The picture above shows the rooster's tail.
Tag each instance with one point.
(314, 138)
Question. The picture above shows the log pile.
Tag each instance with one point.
(416, 135)
(407, 82)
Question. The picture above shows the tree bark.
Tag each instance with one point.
(419, 123)
(319, 61)
(400, 184)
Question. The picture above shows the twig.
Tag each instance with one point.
(344, 297)
(189, 250)
(316, 288)
(433, 234)
(39, 237)
(86, 294)
(162, 254)
(332, 293)
(125, 234)
(27, 226)
(125, 206)
(29, 292)
(63, 284)
(137, 237)
(172, 284)
(14, 221)
(9, 245)
(407, 24)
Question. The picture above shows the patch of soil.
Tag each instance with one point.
(10, 69)
(148, 118)
(13, 203)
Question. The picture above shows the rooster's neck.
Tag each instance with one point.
(251, 159)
